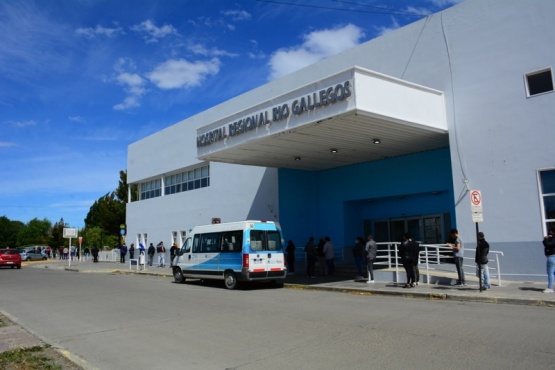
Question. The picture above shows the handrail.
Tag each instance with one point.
(438, 255)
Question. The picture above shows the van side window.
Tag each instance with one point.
(209, 243)
(232, 241)
(274, 241)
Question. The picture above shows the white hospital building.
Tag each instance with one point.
(387, 137)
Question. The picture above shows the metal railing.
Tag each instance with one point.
(433, 255)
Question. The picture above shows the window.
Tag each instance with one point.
(547, 191)
(539, 82)
(188, 180)
(232, 241)
(151, 189)
(265, 240)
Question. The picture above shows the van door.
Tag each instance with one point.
(207, 259)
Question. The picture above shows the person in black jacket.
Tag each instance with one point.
(151, 250)
(549, 250)
(408, 251)
(481, 259)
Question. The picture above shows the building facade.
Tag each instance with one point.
(387, 137)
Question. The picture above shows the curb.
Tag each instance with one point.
(428, 296)
(366, 292)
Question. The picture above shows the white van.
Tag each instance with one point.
(233, 252)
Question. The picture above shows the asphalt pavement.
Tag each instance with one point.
(510, 292)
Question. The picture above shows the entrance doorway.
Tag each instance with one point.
(427, 229)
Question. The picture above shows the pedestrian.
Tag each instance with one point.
(72, 252)
(95, 253)
(408, 251)
(87, 253)
(161, 254)
(456, 244)
(358, 255)
(310, 250)
(481, 259)
(151, 250)
(371, 252)
(66, 251)
(290, 257)
(549, 251)
(132, 251)
(122, 253)
(173, 253)
(329, 255)
(321, 256)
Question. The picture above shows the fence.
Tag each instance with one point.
(434, 254)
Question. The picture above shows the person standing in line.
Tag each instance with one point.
(161, 254)
(321, 256)
(290, 251)
(329, 255)
(481, 259)
(122, 253)
(87, 253)
(66, 252)
(549, 251)
(150, 252)
(310, 250)
(95, 253)
(371, 252)
(358, 255)
(132, 251)
(173, 253)
(407, 253)
(456, 245)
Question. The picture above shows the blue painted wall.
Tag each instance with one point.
(335, 202)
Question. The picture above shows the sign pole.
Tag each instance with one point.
(477, 217)
(69, 257)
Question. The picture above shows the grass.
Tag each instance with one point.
(34, 358)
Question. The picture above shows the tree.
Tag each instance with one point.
(8, 231)
(35, 232)
(57, 239)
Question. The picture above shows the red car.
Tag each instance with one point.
(10, 257)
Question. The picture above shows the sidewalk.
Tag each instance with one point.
(522, 293)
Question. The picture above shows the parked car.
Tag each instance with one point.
(32, 255)
(10, 257)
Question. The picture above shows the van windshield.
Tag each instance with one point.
(265, 240)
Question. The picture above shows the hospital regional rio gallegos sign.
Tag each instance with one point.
(299, 106)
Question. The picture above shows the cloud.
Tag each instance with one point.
(237, 15)
(317, 45)
(383, 30)
(22, 123)
(6, 144)
(133, 84)
(76, 119)
(178, 73)
(99, 31)
(153, 33)
(200, 49)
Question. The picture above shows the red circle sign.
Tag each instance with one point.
(476, 197)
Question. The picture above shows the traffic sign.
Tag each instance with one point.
(477, 217)
(476, 201)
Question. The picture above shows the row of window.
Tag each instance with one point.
(547, 184)
(184, 181)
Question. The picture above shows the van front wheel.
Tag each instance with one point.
(230, 280)
(178, 275)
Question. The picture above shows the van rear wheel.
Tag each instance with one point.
(230, 280)
(178, 275)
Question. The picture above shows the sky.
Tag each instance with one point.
(80, 80)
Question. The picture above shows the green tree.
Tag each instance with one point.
(57, 240)
(35, 232)
(8, 232)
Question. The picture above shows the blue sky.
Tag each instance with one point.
(82, 79)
